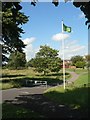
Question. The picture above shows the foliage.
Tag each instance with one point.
(80, 64)
(46, 60)
(17, 60)
(54, 66)
(77, 58)
(87, 57)
(12, 19)
(30, 63)
(85, 8)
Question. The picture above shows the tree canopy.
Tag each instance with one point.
(17, 60)
(78, 61)
(46, 60)
(12, 19)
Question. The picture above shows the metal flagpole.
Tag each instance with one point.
(63, 58)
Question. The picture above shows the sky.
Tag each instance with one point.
(44, 28)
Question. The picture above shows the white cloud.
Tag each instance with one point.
(29, 49)
(60, 36)
(72, 49)
(28, 41)
(81, 15)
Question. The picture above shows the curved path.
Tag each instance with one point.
(74, 76)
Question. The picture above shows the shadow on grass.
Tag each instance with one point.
(21, 82)
(76, 98)
(46, 107)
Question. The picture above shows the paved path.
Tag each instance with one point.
(74, 76)
(10, 94)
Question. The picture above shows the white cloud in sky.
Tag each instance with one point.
(60, 36)
(73, 48)
(28, 41)
(29, 49)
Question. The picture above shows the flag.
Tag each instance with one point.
(66, 28)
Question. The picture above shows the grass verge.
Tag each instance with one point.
(75, 96)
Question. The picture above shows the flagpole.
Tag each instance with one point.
(63, 58)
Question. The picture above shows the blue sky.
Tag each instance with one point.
(45, 22)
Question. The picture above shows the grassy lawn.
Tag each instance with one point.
(83, 79)
(77, 70)
(75, 95)
(17, 78)
(13, 111)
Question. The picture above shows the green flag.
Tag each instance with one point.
(66, 28)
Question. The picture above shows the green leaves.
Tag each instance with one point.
(17, 60)
(12, 18)
(46, 60)
(78, 61)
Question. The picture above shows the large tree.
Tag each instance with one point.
(12, 19)
(46, 60)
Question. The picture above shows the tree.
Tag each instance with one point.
(84, 7)
(55, 65)
(12, 19)
(17, 60)
(30, 63)
(80, 64)
(87, 58)
(46, 60)
(76, 59)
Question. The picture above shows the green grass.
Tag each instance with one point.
(83, 79)
(75, 96)
(77, 70)
(17, 78)
(13, 111)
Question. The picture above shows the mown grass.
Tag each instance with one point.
(83, 79)
(77, 70)
(13, 111)
(76, 95)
